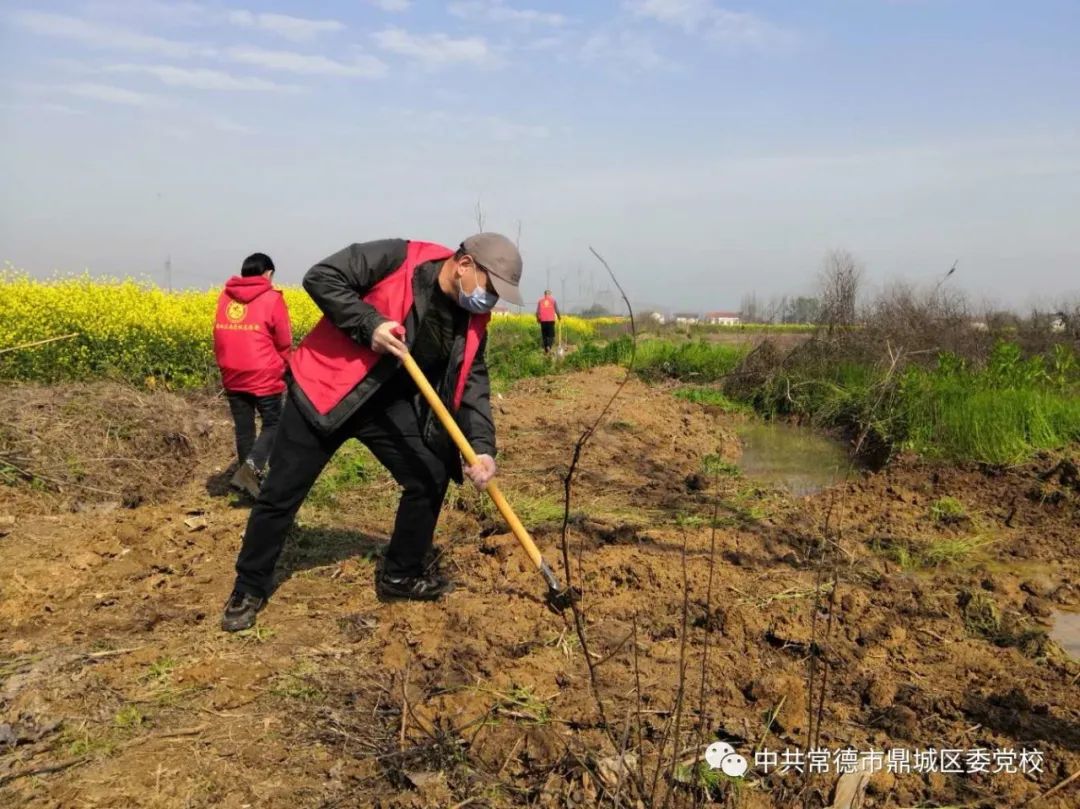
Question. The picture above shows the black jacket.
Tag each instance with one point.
(336, 284)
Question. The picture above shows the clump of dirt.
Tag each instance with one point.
(103, 443)
(709, 605)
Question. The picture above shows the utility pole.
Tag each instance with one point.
(168, 271)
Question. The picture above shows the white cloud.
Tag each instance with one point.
(719, 25)
(392, 5)
(548, 43)
(683, 13)
(501, 129)
(172, 12)
(624, 50)
(435, 50)
(100, 35)
(362, 66)
(490, 127)
(110, 94)
(498, 11)
(202, 78)
(298, 29)
(45, 106)
(230, 126)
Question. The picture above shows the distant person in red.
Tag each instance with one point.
(252, 340)
(547, 312)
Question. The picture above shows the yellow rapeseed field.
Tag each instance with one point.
(135, 331)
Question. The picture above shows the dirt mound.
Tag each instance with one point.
(104, 444)
(117, 689)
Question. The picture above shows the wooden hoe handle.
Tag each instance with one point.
(467, 453)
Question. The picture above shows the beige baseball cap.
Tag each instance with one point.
(499, 257)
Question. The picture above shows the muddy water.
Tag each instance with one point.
(1066, 632)
(795, 458)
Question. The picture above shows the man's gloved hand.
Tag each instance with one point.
(387, 339)
(482, 471)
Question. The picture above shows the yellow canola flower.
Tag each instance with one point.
(135, 331)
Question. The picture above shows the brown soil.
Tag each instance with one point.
(118, 689)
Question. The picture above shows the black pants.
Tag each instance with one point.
(243, 407)
(391, 430)
(547, 334)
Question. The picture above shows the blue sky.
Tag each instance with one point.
(707, 150)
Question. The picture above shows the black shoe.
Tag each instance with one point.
(240, 611)
(426, 587)
(246, 480)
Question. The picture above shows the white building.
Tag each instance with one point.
(723, 318)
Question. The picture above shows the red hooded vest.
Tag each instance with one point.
(328, 364)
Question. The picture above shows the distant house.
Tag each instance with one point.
(1058, 324)
(686, 318)
(657, 318)
(723, 318)
(501, 311)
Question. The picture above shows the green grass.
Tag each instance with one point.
(956, 419)
(982, 618)
(257, 634)
(522, 704)
(948, 510)
(160, 669)
(999, 412)
(916, 554)
(691, 361)
(714, 465)
(531, 509)
(129, 717)
(82, 742)
(712, 397)
(298, 686)
(352, 465)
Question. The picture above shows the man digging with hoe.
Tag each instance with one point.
(382, 301)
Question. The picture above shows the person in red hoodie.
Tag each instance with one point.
(252, 340)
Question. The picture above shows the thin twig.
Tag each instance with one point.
(681, 692)
(769, 723)
(404, 707)
(51, 768)
(59, 484)
(618, 648)
(813, 650)
(111, 653)
(1052, 790)
(510, 755)
(568, 482)
(39, 342)
(620, 763)
(702, 716)
(637, 692)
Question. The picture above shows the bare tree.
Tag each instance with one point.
(750, 309)
(839, 280)
(776, 309)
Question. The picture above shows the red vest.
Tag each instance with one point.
(328, 363)
(545, 309)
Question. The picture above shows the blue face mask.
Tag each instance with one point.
(479, 301)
